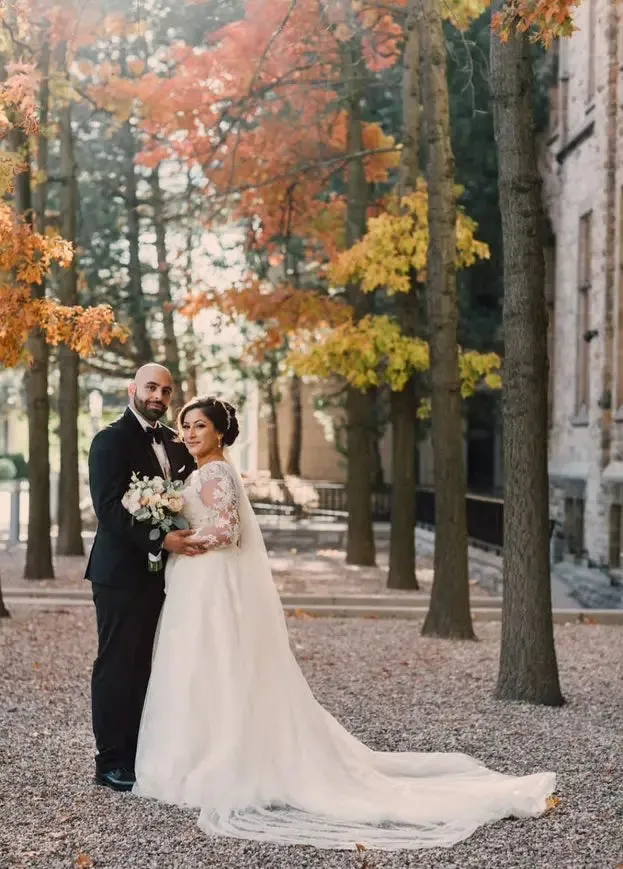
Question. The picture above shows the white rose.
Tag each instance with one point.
(131, 501)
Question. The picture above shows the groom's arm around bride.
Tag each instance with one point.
(127, 595)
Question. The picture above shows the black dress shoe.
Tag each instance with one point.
(117, 779)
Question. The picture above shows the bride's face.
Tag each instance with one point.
(200, 436)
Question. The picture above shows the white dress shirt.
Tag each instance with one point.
(159, 450)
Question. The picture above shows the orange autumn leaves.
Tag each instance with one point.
(545, 20)
(256, 107)
(27, 256)
(25, 259)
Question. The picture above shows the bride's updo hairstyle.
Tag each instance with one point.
(221, 414)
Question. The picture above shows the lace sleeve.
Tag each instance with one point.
(220, 522)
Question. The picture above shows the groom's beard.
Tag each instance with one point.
(148, 410)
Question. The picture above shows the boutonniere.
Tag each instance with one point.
(175, 440)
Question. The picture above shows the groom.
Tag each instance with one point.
(127, 596)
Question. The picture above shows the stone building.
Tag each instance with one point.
(583, 190)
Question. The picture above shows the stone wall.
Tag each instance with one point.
(575, 183)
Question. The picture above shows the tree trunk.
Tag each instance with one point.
(296, 435)
(403, 404)
(377, 474)
(190, 358)
(4, 613)
(449, 612)
(360, 547)
(610, 191)
(528, 667)
(171, 351)
(274, 456)
(69, 540)
(137, 305)
(38, 548)
(402, 532)
(190, 338)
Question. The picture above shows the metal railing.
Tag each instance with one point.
(316, 499)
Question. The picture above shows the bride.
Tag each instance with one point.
(231, 727)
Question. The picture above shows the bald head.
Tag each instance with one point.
(150, 371)
(151, 391)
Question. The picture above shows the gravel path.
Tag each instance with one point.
(391, 687)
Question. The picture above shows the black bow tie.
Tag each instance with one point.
(154, 434)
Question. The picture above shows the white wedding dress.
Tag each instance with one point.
(231, 727)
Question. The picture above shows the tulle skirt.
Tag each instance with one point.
(230, 727)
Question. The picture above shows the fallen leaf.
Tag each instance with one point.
(587, 620)
(360, 847)
(552, 802)
(84, 861)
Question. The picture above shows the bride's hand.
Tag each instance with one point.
(182, 543)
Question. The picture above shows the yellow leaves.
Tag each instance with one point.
(374, 352)
(366, 353)
(461, 13)
(477, 368)
(397, 244)
(552, 803)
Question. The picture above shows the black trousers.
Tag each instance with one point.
(126, 626)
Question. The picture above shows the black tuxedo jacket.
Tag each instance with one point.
(119, 555)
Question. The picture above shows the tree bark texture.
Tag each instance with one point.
(38, 548)
(449, 612)
(360, 547)
(69, 541)
(528, 666)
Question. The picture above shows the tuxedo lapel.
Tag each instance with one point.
(179, 459)
(181, 462)
(145, 458)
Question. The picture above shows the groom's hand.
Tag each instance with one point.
(179, 543)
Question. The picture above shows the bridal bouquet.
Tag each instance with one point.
(159, 502)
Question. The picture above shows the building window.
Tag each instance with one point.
(590, 73)
(574, 525)
(614, 537)
(584, 315)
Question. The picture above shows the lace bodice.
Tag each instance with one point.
(212, 504)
